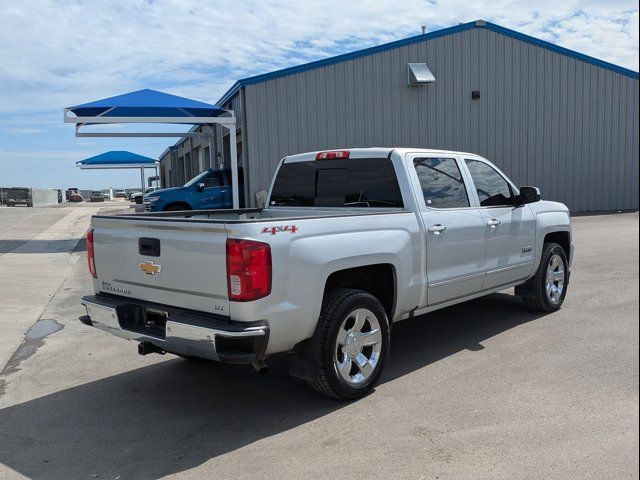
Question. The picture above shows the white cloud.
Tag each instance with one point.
(57, 54)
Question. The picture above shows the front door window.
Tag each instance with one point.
(492, 189)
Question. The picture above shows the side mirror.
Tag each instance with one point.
(528, 195)
(200, 187)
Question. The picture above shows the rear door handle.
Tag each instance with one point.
(493, 222)
(437, 229)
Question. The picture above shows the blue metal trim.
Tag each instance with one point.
(416, 39)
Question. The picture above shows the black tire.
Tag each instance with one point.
(539, 301)
(176, 208)
(337, 306)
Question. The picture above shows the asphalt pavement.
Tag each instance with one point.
(484, 390)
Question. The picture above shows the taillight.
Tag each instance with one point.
(91, 260)
(248, 270)
(332, 154)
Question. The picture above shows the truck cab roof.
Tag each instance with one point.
(372, 152)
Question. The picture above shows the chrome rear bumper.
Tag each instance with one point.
(177, 330)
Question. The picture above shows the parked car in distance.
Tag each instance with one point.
(138, 197)
(69, 191)
(120, 194)
(74, 197)
(209, 190)
(132, 196)
(18, 196)
(350, 242)
(97, 196)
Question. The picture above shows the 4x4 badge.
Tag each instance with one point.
(280, 228)
(149, 267)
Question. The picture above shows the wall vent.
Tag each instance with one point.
(419, 74)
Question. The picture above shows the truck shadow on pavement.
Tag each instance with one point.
(178, 414)
(43, 246)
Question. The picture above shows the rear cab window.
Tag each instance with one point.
(351, 182)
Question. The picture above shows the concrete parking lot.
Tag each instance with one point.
(485, 390)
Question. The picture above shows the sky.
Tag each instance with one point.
(55, 54)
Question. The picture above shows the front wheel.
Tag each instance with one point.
(353, 339)
(550, 281)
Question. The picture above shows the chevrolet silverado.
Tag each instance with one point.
(349, 242)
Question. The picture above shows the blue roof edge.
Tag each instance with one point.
(562, 50)
(420, 38)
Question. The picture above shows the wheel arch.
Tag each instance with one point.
(378, 279)
(562, 238)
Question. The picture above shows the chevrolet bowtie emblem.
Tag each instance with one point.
(149, 267)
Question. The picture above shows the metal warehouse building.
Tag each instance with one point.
(547, 116)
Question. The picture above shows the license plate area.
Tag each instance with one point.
(145, 320)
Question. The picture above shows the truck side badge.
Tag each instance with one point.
(281, 228)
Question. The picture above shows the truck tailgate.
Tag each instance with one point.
(165, 261)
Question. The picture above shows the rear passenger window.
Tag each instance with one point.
(493, 190)
(441, 182)
(353, 182)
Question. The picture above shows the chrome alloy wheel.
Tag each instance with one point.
(358, 346)
(555, 279)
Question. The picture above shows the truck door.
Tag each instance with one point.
(211, 196)
(510, 230)
(227, 192)
(454, 229)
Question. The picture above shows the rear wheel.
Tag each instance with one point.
(354, 344)
(549, 284)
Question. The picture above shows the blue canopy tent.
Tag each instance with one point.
(119, 159)
(150, 106)
(146, 103)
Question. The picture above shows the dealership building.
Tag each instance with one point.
(547, 116)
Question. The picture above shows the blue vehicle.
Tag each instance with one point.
(209, 190)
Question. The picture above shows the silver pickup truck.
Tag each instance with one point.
(349, 242)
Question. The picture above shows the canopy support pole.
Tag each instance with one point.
(142, 181)
(233, 150)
